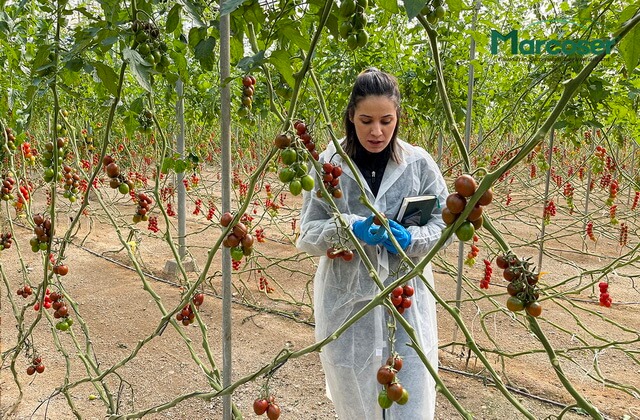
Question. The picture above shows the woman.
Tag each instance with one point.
(392, 169)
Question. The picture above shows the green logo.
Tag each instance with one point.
(552, 47)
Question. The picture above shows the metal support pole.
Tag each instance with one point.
(588, 192)
(182, 193)
(632, 172)
(467, 141)
(225, 142)
(440, 141)
(546, 199)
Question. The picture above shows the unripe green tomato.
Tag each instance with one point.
(345, 29)
(123, 188)
(362, 38)
(352, 41)
(347, 8)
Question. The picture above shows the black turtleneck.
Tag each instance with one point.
(372, 165)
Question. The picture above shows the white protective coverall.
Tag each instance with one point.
(342, 288)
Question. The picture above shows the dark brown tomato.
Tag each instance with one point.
(455, 203)
(475, 214)
(486, 198)
(448, 217)
(394, 391)
(465, 185)
(385, 375)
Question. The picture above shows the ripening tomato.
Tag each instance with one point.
(404, 398)
(385, 375)
(394, 391)
(501, 261)
(260, 406)
(395, 362)
(534, 309)
(514, 304)
(465, 185)
(273, 411)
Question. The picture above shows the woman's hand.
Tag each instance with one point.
(371, 235)
(402, 235)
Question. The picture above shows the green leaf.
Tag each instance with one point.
(629, 47)
(194, 12)
(139, 68)
(204, 53)
(229, 6)
(180, 165)
(108, 77)
(456, 6)
(137, 106)
(196, 35)
(413, 7)
(292, 33)
(249, 63)
(282, 61)
(173, 18)
(167, 164)
(388, 5)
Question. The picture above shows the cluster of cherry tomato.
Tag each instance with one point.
(27, 153)
(153, 224)
(117, 181)
(71, 183)
(144, 203)
(612, 214)
(25, 291)
(488, 271)
(60, 269)
(589, 231)
(522, 287)
(248, 89)
(239, 239)
(5, 240)
(549, 211)
(42, 230)
(605, 298)
(331, 179)
(393, 391)
(267, 406)
(473, 252)
(568, 195)
(47, 157)
(23, 196)
(353, 22)
(6, 191)
(636, 199)
(47, 301)
(148, 44)
(303, 133)
(295, 171)
(597, 161)
(60, 311)
(434, 11)
(624, 234)
(465, 186)
(613, 192)
(186, 315)
(401, 297)
(338, 251)
(35, 366)
(11, 138)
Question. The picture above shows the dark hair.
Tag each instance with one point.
(371, 82)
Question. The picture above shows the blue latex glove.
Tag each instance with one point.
(402, 235)
(371, 235)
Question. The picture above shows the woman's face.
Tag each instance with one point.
(375, 119)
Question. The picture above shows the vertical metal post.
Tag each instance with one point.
(182, 193)
(225, 143)
(440, 141)
(633, 170)
(588, 192)
(546, 199)
(467, 141)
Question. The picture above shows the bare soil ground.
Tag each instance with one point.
(118, 313)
